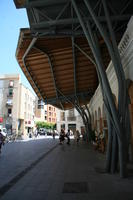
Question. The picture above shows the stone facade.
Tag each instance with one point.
(96, 104)
(69, 119)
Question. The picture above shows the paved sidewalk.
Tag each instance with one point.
(70, 173)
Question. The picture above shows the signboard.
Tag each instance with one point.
(1, 120)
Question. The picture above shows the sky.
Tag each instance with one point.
(11, 20)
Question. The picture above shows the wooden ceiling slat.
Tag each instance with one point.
(44, 81)
(37, 62)
(39, 67)
(68, 71)
(62, 57)
(41, 71)
(65, 66)
(61, 62)
(66, 77)
(39, 57)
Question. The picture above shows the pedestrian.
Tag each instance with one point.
(68, 136)
(35, 133)
(2, 138)
(77, 136)
(62, 136)
(53, 134)
(30, 134)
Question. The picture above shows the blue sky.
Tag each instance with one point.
(11, 20)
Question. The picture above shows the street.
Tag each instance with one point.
(17, 156)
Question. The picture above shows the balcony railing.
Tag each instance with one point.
(71, 118)
(9, 102)
(10, 95)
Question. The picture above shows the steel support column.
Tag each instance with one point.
(24, 62)
(74, 67)
(101, 71)
(122, 83)
(51, 68)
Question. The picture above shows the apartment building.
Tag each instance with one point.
(69, 119)
(44, 112)
(40, 109)
(9, 101)
(51, 114)
(26, 111)
(16, 105)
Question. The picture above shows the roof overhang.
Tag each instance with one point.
(48, 64)
(20, 3)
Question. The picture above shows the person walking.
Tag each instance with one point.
(62, 136)
(53, 134)
(68, 136)
(77, 136)
(2, 138)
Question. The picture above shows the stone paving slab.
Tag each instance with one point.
(70, 164)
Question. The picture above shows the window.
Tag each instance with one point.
(62, 116)
(71, 113)
(9, 111)
(11, 84)
(9, 102)
(45, 117)
(11, 92)
(40, 104)
(25, 105)
(63, 126)
(49, 107)
(49, 113)
(49, 119)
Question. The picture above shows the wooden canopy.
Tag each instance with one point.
(48, 64)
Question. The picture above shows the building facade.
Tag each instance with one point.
(96, 106)
(9, 101)
(20, 109)
(51, 114)
(26, 109)
(69, 119)
(40, 110)
(16, 105)
(44, 112)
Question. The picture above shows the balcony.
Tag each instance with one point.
(9, 102)
(9, 115)
(11, 84)
(73, 118)
(10, 95)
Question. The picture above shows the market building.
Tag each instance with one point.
(67, 57)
